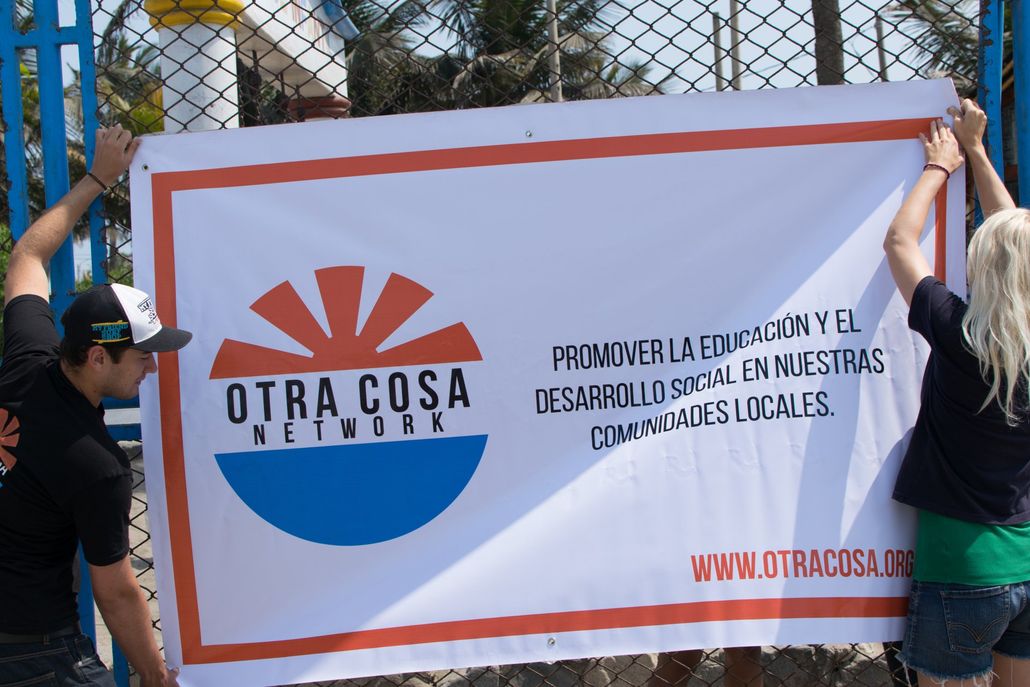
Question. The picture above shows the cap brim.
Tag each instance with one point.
(168, 339)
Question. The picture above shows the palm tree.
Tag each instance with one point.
(129, 85)
(829, 42)
(385, 73)
(128, 76)
(502, 47)
(498, 55)
(590, 74)
(946, 37)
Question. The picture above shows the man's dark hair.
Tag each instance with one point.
(75, 356)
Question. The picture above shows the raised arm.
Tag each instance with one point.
(970, 122)
(907, 262)
(26, 270)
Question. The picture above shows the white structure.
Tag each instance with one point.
(299, 42)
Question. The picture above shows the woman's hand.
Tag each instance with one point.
(970, 123)
(941, 147)
(904, 256)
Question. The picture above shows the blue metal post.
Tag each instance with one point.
(121, 667)
(1021, 65)
(88, 78)
(14, 144)
(55, 139)
(992, 48)
(47, 38)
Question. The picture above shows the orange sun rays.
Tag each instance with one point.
(345, 348)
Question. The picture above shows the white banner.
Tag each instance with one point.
(530, 383)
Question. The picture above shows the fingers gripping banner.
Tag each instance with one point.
(530, 383)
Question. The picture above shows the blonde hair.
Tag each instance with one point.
(997, 323)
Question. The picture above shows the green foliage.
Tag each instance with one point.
(129, 86)
(32, 135)
(946, 38)
(500, 55)
(128, 76)
(84, 282)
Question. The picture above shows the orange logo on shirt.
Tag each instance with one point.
(8, 437)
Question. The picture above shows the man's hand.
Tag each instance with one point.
(114, 151)
(169, 679)
(970, 123)
(26, 269)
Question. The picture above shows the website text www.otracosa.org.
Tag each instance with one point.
(801, 563)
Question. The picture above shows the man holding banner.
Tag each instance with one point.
(63, 479)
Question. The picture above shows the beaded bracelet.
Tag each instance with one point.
(95, 178)
(934, 165)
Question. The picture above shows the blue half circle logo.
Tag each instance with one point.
(354, 494)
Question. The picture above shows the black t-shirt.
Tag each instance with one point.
(962, 462)
(62, 478)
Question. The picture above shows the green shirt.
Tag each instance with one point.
(962, 552)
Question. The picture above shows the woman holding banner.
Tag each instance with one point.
(967, 468)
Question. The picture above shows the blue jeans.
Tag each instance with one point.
(954, 628)
(60, 662)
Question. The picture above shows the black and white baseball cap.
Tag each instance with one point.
(119, 315)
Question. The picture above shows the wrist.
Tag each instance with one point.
(96, 182)
(103, 178)
(978, 151)
(936, 167)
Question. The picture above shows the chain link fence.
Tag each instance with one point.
(274, 61)
(836, 665)
(169, 65)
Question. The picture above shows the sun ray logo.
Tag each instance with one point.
(9, 436)
(351, 493)
(340, 289)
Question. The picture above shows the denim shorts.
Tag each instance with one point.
(953, 628)
(60, 662)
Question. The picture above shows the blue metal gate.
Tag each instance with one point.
(990, 89)
(46, 37)
(1021, 62)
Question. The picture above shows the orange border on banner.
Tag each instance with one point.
(163, 185)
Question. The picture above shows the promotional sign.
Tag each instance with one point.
(531, 383)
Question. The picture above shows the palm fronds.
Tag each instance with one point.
(945, 36)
